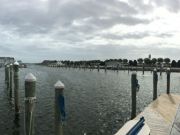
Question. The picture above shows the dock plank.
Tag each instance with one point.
(160, 114)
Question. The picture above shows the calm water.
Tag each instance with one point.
(97, 103)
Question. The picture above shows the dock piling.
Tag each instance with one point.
(105, 68)
(161, 68)
(59, 107)
(143, 68)
(30, 88)
(133, 95)
(10, 81)
(6, 74)
(168, 80)
(7, 77)
(155, 81)
(16, 87)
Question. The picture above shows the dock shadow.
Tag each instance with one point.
(170, 97)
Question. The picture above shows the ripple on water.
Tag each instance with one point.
(97, 103)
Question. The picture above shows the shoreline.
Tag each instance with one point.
(130, 68)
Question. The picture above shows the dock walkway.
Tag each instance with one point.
(161, 115)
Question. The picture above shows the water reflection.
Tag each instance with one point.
(96, 102)
(16, 126)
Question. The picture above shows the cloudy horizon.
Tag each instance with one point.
(89, 29)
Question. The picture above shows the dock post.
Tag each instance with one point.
(59, 107)
(133, 95)
(105, 68)
(155, 80)
(7, 72)
(161, 70)
(10, 81)
(98, 68)
(143, 68)
(16, 87)
(168, 80)
(30, 88)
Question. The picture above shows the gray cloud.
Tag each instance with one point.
(172, 5)
(121, 51)
(36, 17)
(39, 29)
(136, 35)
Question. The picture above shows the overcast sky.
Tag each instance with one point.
(33, 30)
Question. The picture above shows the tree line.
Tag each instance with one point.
(139, 61)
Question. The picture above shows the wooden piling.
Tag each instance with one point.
(7, 74)
(168, 80)
(128, 68)
(117, 67)
(16, 87)
(105, 68)
(30, 88)
(161, 70)
(59, 88)
(10, 81)
(155, 80)
(143, 68)
(133, 95)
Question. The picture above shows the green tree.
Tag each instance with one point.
(131, 63)
(120, 60)
(178, 63)
(173, 63)
(140, 60)
(153, 61)
(160, 60)
(147, 61)
(167, 60)
(125, 61)
(135, 63)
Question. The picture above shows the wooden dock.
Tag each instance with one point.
(160, 114)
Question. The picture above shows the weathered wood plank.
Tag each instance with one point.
(159, 114)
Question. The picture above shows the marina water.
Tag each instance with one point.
(97, 103)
